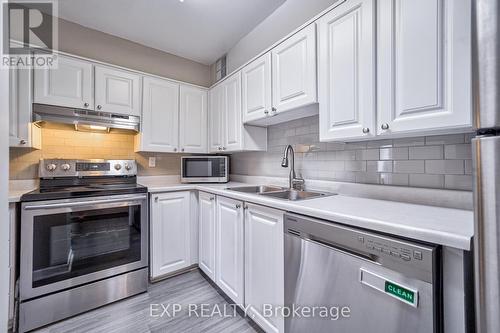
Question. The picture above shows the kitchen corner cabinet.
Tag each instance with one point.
(22, 132)
(227, 131)
(193, 120)
(424, 66)
(117, 91)
(160, 116)
(256, 85)
(282, 80)
(170, 233)
(264, 264)
(229, 248)
(207, 222)
(71, 84)
(346, 70)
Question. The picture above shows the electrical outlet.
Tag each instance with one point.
(152, 162)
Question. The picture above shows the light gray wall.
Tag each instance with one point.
(432, 161)
(289, 16)
(85, 42)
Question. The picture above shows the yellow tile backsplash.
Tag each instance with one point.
(62, 141)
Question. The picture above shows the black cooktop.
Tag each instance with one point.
(54, 189)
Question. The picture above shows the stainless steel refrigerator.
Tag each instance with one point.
(486, 162)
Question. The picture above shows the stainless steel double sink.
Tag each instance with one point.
(280, 192)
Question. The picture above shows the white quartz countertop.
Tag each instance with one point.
(444, 226)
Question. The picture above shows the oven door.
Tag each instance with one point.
(66, 243)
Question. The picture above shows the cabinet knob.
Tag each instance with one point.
(156, 199)
(238, 206)
(223, 148)
(220, 148)
(212, 198)
(99, 107)
(182, 149)
(266, 112)
(86, 105)
(366, 130)
(175, 149)
(23, 142)
(385, 126)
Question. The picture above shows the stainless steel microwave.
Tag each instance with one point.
(205, 169)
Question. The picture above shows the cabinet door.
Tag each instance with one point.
(256, 84)
(264, 264)
(207, 216)
(215, 116)
(160, 116)
(232, 123)
(193, 120)
(229, 248)
(71, 84)
(294, 71)
(170, 233)
(346, 69)
(22, 133)
(117, 91)
(424, 65)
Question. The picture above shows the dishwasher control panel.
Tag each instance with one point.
(411, 257)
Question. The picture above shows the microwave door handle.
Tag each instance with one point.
(84, 203)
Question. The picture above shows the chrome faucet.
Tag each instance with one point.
(293, 182)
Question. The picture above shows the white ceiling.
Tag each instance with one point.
(200, 30)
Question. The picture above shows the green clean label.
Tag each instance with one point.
(400, 292)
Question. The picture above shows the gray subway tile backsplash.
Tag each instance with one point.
(442, 161)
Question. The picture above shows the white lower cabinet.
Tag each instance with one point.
(170, 230)
(207, 223)
(264, 264)
(229, 259)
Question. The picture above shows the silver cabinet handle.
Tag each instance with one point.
(99, 107)
(274, 109)
(23, 142)
(156, 199)
(220, 148)
(86, 203)
(86, 105)
(212, 198)
(223, 148)
(238, 206)
(266, 112)
(385, 126)
(366, 130)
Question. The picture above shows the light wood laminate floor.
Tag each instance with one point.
(133, 314)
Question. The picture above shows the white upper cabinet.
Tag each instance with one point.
(346, 70)
(22, 133)
(232, 118)
(216, 114)
(160, 116)
(117, 91)
(193, 120)
(256, 96)
(170, 233)
(227, 132)
(207, 224)
(70, 84)
(294, 71)
(229, 248)
(424, 66)
(264, 265)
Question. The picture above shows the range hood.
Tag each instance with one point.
(84, 119)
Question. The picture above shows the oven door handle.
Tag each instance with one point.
(84, 203)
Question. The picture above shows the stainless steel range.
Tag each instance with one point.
(84, 236)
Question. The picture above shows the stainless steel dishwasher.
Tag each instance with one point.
(385, 284)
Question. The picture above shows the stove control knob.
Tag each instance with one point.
(118, 167)
(51, 167)
(66, 167)
(128, 167)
